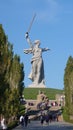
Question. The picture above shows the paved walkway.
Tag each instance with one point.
(35, 125)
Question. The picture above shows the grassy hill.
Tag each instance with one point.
(31, 93)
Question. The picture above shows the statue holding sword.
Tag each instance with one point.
(37, 70)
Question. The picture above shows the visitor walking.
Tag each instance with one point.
(3, 123)
(22, 120)
(26, 120)
(42, 118)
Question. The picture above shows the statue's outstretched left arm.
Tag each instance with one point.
(45, 49)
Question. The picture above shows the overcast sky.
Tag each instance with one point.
(53, 26)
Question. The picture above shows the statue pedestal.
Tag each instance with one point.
(40, 85)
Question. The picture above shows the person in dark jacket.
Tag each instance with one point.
(26, 120)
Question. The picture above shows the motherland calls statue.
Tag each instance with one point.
(37, 71)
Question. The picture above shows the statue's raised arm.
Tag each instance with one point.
(28, 51)
(28, 39)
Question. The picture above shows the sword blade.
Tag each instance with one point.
(31, 23)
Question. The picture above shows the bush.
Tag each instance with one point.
(21, 111)
(12, 125)
(66, 115)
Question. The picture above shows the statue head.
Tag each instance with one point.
(37, 42)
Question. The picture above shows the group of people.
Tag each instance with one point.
(24, 120)
(43, 118)
(48, 117)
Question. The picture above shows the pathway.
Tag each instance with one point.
(35, 125)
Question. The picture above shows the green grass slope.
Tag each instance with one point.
(31, 93)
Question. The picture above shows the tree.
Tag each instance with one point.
(3, 65)
(11, 77)
(17, 74)
(68, 86)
